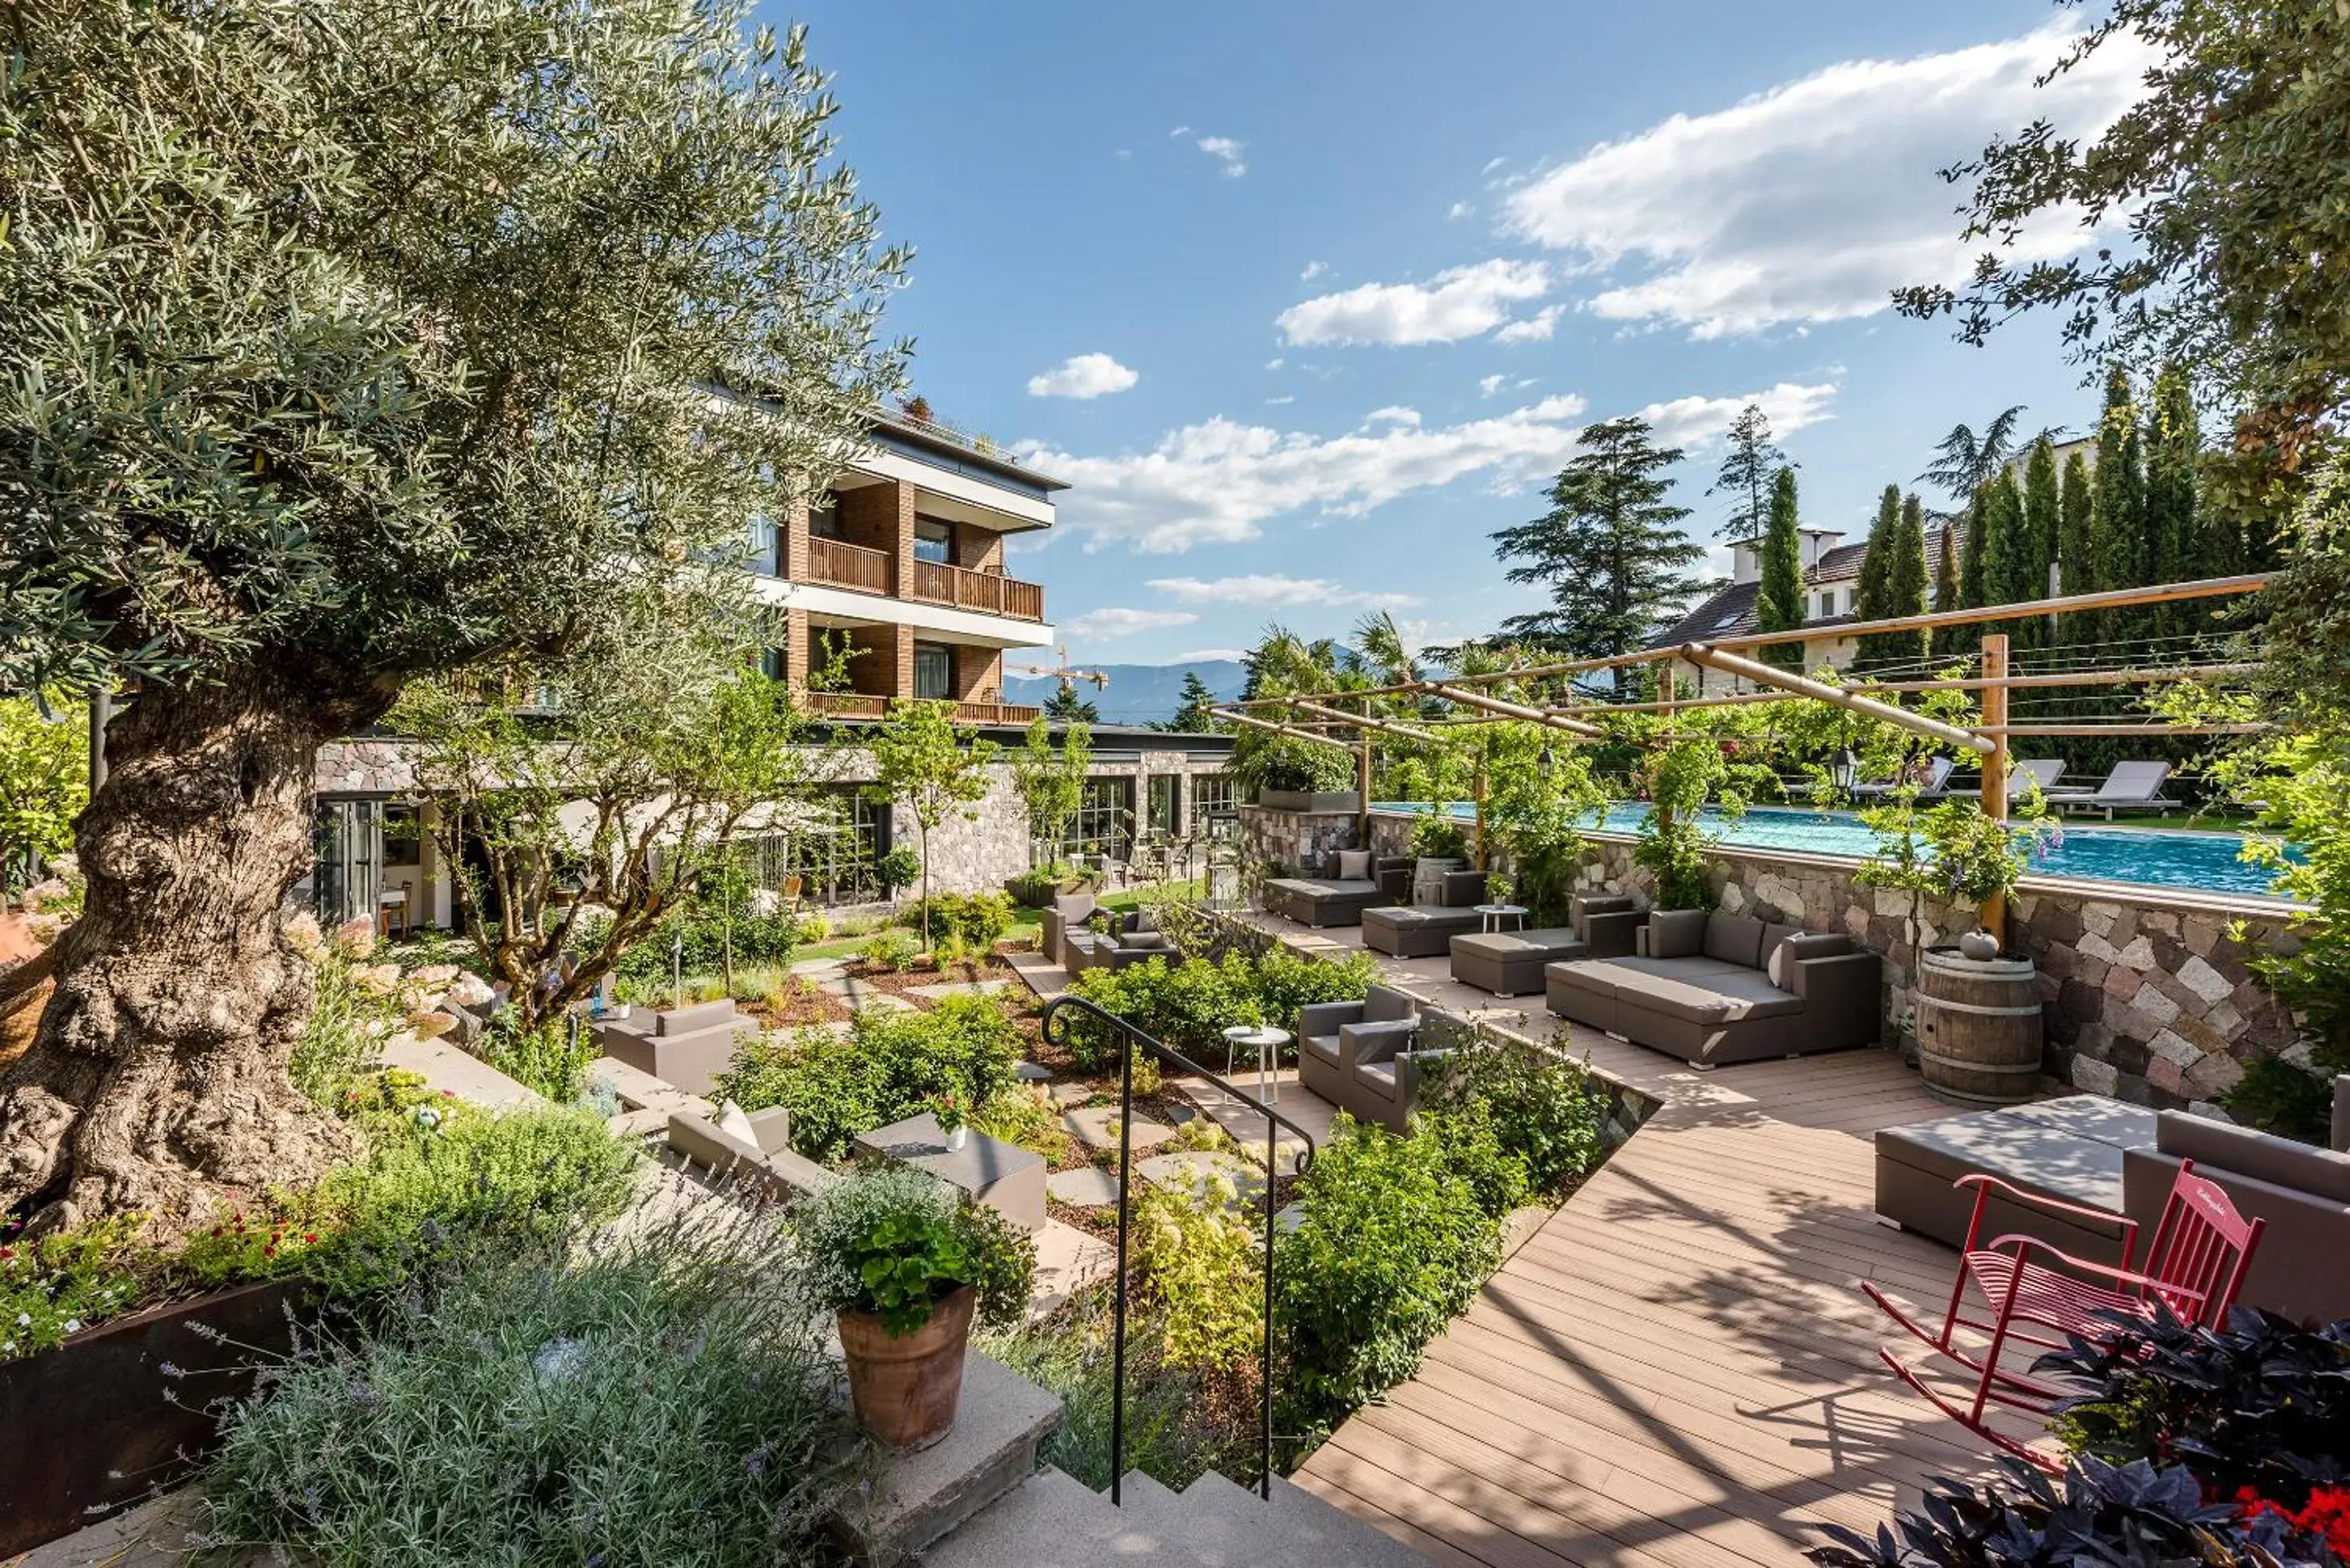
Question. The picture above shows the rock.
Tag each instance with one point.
(2180, 1053)
(2122, 984)
(2214, 1076)
(2094, 946)
(2139, 954)
(2155, 1003)
(2095, 1077)
(2205, 981)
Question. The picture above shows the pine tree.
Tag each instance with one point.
(2075, 514)
(2174, 548)
(1971, 555)
(1192, 715)
(1610, 550)
(1876, 567)
(1779, 601)
(1066, 707)
(2009, 559)
(1746, 473)
(1903, 593)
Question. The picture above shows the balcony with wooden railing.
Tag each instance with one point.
(860, 705)
(835, 563)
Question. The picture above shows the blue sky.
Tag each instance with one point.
(1305, 299)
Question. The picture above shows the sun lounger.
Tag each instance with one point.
(1935, 784)
(2131, 786)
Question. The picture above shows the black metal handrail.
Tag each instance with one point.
(1056, 1023)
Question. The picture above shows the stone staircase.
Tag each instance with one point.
(1052, 1520)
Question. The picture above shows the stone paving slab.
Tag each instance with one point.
(1086, 1187)
(1190, 1174)
(862, 994)
(1070, 1096)
(1067, 1260)
(1031, 1073)
(1095, 1127)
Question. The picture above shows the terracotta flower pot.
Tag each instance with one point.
(905, 1388)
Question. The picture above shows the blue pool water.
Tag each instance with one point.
(2204, 862)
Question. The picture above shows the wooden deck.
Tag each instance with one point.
(1677, 1371)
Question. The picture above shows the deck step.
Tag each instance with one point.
(1229, 1526)
(1056, 1522)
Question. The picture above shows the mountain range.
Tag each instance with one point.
(1137, 693)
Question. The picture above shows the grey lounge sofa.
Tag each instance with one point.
(2123, 1158)
(1367, 1058)
(1426, 931)
(1130, 939)
(684, 1047)
(1068, 912)
(1711, 989)
(1511, 963)
(1335, 900)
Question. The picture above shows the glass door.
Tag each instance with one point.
(347, 839)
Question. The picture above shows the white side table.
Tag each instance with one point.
(1491, 916)
(1267, 1043)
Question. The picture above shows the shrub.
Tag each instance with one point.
(895, 1242)
(815, 927)
(901, 868)
(1199, 1265)
(551, 1059)
(890, 948)
(66, 1281)
(1543, 1108)
(661, 1398)
(977, 920)
(1437, 835)
(1392, 1242)
(1469, 1139)
(709, 932)
(1188, 1005)
(1024, 1115)
(891, 1066)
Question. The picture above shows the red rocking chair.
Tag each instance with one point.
(2195, 1267)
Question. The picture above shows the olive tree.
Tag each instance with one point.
(349, 342)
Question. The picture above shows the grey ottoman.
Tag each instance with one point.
(2068, 1150)
(1510, 963)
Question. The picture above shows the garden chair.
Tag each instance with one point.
(2194, 1269)
(2131, 786)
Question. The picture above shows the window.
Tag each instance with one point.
(1213, 797)
(403, 836)
(774, 663)
(1827, 604)
(1105, 821)
(835, 863)
(1162, 803)
(933, 671)
(933, 540)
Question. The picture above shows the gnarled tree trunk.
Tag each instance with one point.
(159, 1077)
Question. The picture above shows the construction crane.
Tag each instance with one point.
(1062, 672)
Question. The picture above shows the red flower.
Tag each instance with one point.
(2325, 1515)
(309, 1238)
(269, 1251)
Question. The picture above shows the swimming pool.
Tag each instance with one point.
(2202, 862)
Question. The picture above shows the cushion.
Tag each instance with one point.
(2262, 1155)
(1385, 1004)
(1143, 920)
(1463, 889)
(1805, 945)
(734, 1123)
(1378, 1076)
(1149, 941)
(1544, 946)
(1675, 933)
(1773, 933)
(1708, 998)
(1354, 865)
(1736, 939)
(1323, 1045)
(2094, 1116)
(2078, 1169)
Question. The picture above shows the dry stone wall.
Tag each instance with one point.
(2149, 995)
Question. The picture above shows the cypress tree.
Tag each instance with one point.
(1947, 591)
(2174, 548)
(1903, 593)
(2007, 552)
(1779, 602)
(1876, 567)
(2118, 503)
(2074, 509)
(2042, 521)
(1971, 555)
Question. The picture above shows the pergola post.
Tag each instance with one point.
(1994, 913)
(1362, 790)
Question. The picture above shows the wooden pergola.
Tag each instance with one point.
(1989, 738)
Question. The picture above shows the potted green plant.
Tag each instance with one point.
(954, 1118)
(907, 1265)
(1438, 846)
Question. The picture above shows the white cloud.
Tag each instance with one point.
(1701, 421)
(1490, 164)
(1458, 211)
(1535, 329)
(1180, 130)
(1203, 655)
(1489, 385)
(1286, 398)
(1116, 621)
(1393, 414)
(1276, 363)
(1313, 269)
(1226, 152)
(1810, 202)
(1083, 376)
(1460, 303)
(1275, 592)
(1221, 481)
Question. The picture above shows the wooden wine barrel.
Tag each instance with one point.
(1979, 1027)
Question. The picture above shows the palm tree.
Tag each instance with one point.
(1968, 460)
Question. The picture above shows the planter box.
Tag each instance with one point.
(92, 1426)
(1332, 800)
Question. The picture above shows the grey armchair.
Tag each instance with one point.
(1132, 938)
(1065, 914)
(1368, 1058)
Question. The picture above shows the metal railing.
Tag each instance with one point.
(1056, 1023)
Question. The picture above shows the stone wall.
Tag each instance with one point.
(1296, 841)
(2148, 994)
